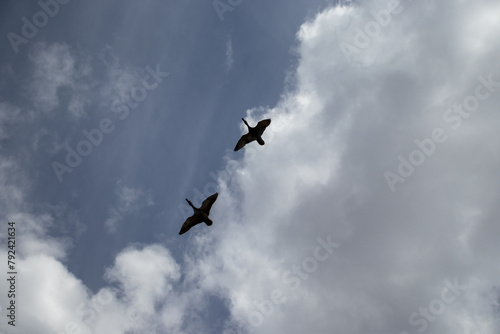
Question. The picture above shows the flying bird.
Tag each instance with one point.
(200, 215)
(253, 134)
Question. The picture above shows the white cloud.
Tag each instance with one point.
(54, 300)
(56, 66)
(146, 274)
(35, 236)
(50, 299)
(322, 174)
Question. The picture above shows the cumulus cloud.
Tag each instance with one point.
(348, 119)
(139, 297)
(146, 274)
(139, 294)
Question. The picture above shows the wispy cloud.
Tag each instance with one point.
(54, 68)
(229, 54)
(128, 201)
(9, 115)
(57, 66)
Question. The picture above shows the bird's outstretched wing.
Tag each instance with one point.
(207, 203)
(190, 222)
(245, 139)
(262, 125)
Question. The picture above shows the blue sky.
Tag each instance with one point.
(371, 208)
(196, 109)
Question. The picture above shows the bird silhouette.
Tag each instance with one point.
(200, 215)
(253, 134)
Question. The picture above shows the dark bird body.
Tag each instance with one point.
(200, 214)
(253, 134)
